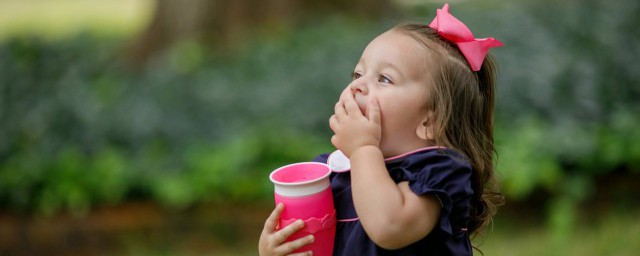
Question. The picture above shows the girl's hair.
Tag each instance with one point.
(462, 102)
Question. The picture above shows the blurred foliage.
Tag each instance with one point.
(77, 129)
(568, 107)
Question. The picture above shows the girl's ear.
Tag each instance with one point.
(425, 129)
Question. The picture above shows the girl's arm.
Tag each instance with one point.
(391, 214)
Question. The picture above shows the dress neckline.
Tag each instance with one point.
(388, 159)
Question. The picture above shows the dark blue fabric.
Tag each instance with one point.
(441, 172)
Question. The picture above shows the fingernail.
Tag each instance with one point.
(311, 238)
(300, 222)
(310, 253)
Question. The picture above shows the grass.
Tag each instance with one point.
(147, 229)
(611, 233)
(55, 19)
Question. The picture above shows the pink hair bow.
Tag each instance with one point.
(473, 49)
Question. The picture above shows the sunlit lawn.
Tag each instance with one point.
(614, 233)
(226, 230)
(53, 19)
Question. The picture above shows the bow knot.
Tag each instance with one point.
(453, 30)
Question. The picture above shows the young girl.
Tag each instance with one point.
(417, 125)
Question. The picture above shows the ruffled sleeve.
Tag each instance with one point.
(446, 174)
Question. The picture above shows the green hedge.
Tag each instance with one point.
(78, 129)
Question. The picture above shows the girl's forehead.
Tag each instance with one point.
(398, 49)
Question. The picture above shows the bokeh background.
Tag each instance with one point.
(148, 127)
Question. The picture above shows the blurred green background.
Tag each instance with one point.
(142, 127)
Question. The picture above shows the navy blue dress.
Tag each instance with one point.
(437, 171)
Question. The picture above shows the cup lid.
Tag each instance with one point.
(301, 179)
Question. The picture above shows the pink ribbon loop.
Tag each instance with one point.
(313, 225)
(453, 30)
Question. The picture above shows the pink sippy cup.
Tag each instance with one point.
(304, 189)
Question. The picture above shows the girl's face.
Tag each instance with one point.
(391, 70)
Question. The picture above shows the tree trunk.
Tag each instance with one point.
(223, 22)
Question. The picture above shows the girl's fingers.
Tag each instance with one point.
(351, 105)
(345, 96)
(271, 224)
(333, 122)
(345, 93)
(374, 111)
(289, 247)
(309, 253)
(287, 231)
(334, 141)
(339, 110)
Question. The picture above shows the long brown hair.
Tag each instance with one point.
(462, 102)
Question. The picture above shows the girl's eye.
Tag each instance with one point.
(355, 75)
(384, 79)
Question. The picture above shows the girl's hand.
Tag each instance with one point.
(352, 128)
(272, 241)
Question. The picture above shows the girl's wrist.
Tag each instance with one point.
(367, 151)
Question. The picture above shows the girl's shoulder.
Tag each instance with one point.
(444, 173)
(434, 170)
(431, 157)
(436, 157)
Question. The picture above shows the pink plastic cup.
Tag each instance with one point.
(304, 189)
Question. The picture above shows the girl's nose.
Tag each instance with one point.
(359, 86)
